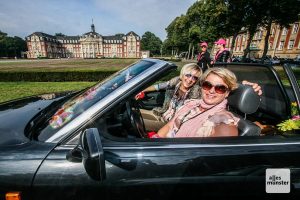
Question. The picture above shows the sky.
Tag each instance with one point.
(74, 17)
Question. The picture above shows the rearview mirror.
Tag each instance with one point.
(93, 154)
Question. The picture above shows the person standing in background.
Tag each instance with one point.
(223, 54)
(203, 58)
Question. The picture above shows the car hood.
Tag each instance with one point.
(15, 115)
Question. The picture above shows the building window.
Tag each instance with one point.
(260, 34)
(273, 31)
(281, 45)
(291, 44)
(284, 31)
(270, 45)
(255, 36)
(295, 28)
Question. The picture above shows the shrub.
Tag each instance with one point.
(54, 76)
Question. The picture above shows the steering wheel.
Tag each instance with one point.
(135, 118)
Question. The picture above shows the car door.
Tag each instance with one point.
(169, 168)
(143, 170)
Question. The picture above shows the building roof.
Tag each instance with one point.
(133, 33)
(41, 34)
(114, 39)
(91, 33)
(67, 37)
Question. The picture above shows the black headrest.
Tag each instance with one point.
(244, 98)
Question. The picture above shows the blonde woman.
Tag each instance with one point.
(206, 117)
(178, 90)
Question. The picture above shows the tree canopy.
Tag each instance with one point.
(151, 43)
(209, 20)
(11, 46)
(60, 34)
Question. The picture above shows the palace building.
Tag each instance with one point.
(88, 45)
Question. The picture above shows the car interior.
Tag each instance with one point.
(258, 115)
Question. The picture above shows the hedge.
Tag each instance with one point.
(54, 76)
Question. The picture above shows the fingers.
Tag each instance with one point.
(258, 90)
(255, 86)
(244, 82)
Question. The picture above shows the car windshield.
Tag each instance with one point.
(81, 102)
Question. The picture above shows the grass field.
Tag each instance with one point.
(64, 64)
(14, 90)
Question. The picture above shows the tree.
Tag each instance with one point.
(2, 44)
(11, 46)
(201, 23)
(20, 45)
(240, 15)
(210, 20)
(2, 35)
(59, 34)
(234, 20)
(177, 35)
(251, 14)
(151, 43)
(282, 13)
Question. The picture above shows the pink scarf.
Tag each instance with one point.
(191, 109)
(175, 102)
(218, 53)
(200, 55)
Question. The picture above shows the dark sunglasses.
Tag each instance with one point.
(220, 89)
(203, 46)
(194, 78)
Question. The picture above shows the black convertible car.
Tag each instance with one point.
(93, 143)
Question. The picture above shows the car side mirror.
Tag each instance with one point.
(93, 154)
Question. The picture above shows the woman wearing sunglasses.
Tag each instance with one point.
(178, 90)
(223, 54)
(206, 117)
(203, 58)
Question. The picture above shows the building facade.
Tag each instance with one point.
(88, 45)
(283, 42)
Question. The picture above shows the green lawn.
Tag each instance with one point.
(64, 65)
(14, 90)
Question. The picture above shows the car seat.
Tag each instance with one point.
(242, 102)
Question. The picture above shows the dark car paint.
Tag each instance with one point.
(18, 165)
(17, 114)
(159, 169)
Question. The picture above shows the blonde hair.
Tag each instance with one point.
(226, 75)
(188, 68)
